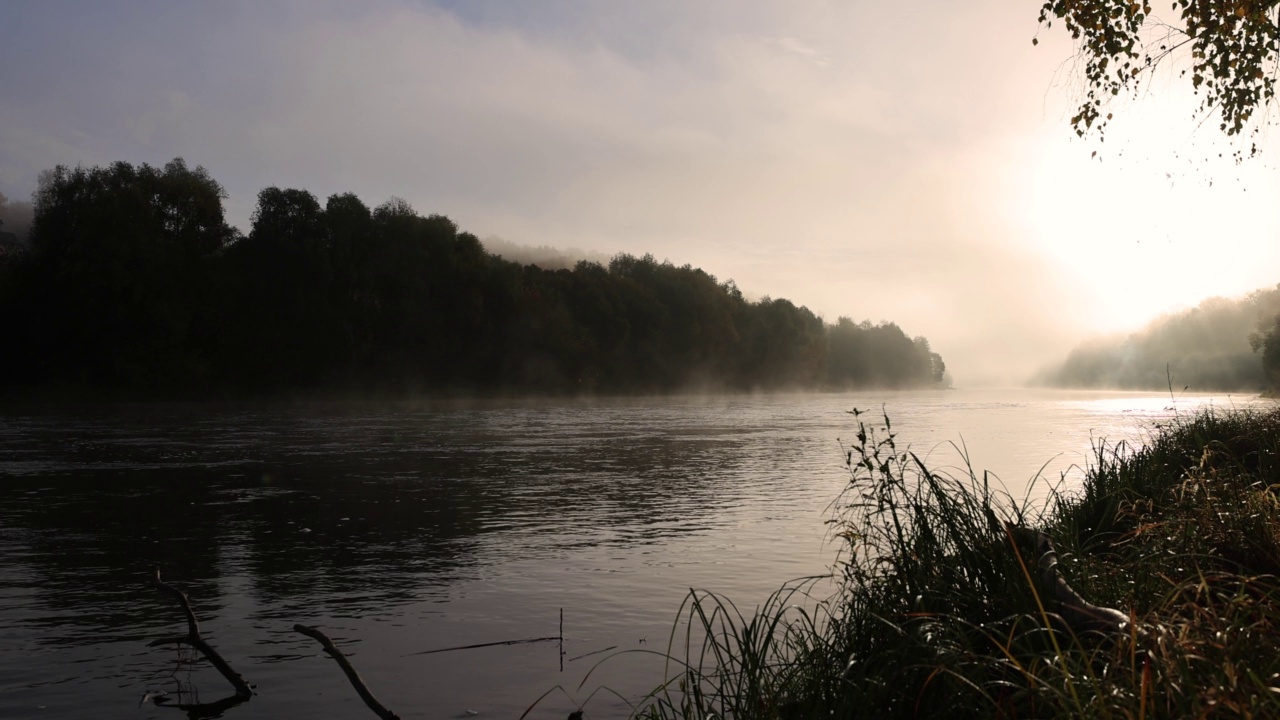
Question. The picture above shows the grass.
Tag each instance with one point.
(939, 613)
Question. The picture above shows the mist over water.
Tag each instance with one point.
(400, 528)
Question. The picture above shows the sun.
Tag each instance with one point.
(1142, 230)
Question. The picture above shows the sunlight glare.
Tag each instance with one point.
(1155, 223)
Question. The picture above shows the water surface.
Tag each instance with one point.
(410, 527)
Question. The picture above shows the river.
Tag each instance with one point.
(402, 528)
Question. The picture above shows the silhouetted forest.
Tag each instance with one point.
(1209, 347)
(15, 221)
(133, 282)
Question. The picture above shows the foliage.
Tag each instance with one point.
(1234, 52)
(1205, 348)
(134, 283)
(1232, 46)
(936, 613)
(857, 354)
(117, 285)
(1267, 341)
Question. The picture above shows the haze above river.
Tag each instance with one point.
(402, 528)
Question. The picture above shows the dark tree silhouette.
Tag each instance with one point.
(118, 282)
(135, 284)
(1229, 51)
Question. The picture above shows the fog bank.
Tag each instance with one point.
(1205, 348)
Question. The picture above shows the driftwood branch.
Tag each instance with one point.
(553, 638)
(378, 708)
(244, 690)
(485, 645)
(1079, 615)
(594, 652)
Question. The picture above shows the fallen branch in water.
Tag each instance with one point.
(594, 652)
(244, 690)
(484, 645)
(378, 708)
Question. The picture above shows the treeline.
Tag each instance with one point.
(15, 219)
(1223, 344)
(133, 282)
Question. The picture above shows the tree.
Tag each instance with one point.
(1233, 46)
(279, 327)
(1267, 341)
(134, 283)
(1234, 51)
(120, 272)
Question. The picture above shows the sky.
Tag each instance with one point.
(910, 162)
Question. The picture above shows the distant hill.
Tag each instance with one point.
(1205, 348)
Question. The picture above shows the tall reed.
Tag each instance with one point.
(937, 611)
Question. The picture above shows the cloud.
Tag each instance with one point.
(863, 159)
(797, 47)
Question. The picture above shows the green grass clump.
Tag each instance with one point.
(940, 610)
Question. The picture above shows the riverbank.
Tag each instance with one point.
(937, 614)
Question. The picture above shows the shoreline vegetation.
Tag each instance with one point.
(132, 285)
(942, 608)
(1221, 345)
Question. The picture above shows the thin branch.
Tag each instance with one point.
(378, 708)
(193, 627)
(244, 690)
(485, 645)
(594, 652)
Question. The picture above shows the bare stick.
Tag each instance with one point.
(483, 645)
(244, 690)
(594, 652)
(378, 708)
